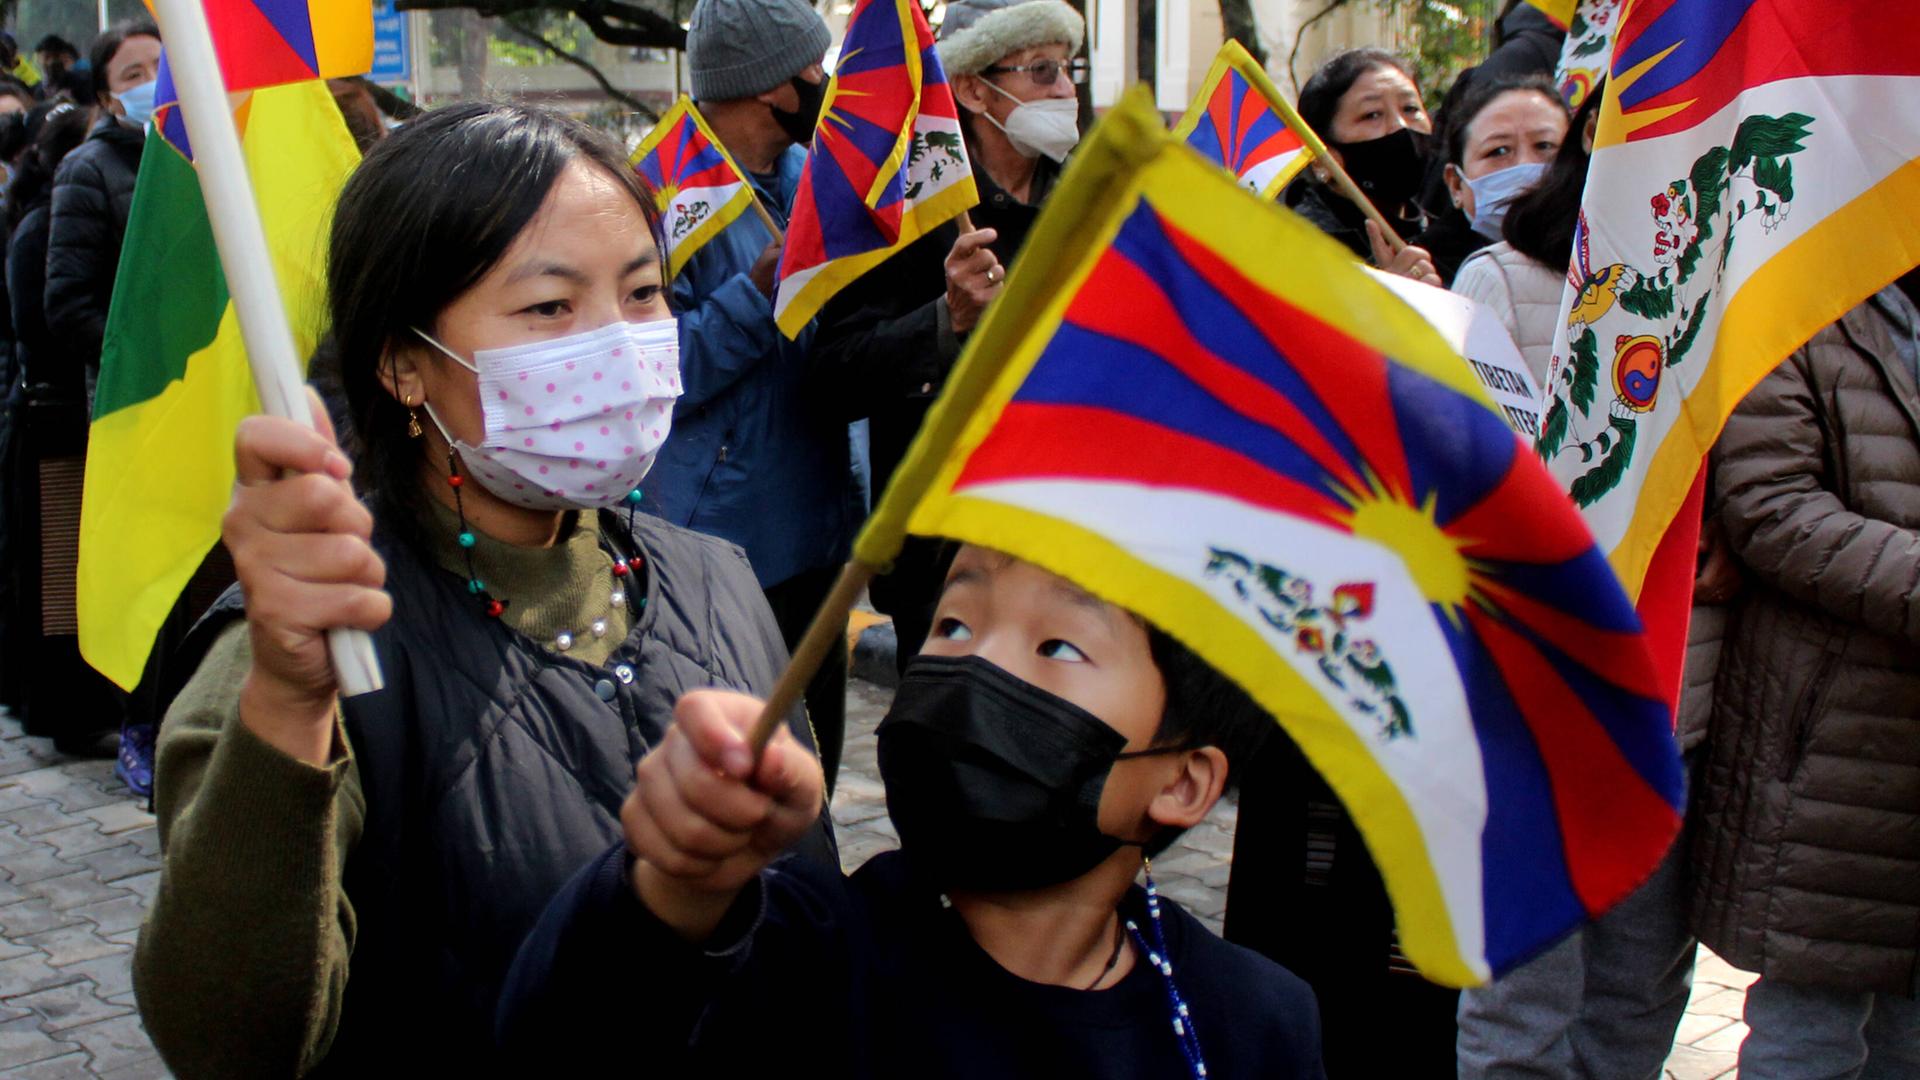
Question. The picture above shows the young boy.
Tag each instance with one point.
(1041, 744)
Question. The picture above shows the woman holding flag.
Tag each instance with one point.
(1366, 105)
(342, 875)
(885, 344)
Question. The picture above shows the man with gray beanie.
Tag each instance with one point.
(748, 459)
(886, 342)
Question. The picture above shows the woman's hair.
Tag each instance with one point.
(55, 129)
(1320, 98)
(14, 88)
(430, 212)
(1460, 116)
(100, 53)
(1540, 223)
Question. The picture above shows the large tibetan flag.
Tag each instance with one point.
(888, 162)
(1241, 122)
(1755, 175)
(271, 43)
(174, 380)
(696, 186)
(1279, 463)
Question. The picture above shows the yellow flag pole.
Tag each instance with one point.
(829, 623)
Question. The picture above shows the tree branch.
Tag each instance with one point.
(593, 72)
(1300, 36)
(645, 29)
(1238, 19)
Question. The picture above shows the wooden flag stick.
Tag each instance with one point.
(766, 218)
(828, 623)
(1359, 198)
(247, 263)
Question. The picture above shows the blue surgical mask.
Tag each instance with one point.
(138, 102)
(1496, 191)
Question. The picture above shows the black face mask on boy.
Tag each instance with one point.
(799, 124)
(993, 783)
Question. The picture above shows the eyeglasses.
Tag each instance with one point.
(1045, 73)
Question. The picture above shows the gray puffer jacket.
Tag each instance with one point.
(1807, 813)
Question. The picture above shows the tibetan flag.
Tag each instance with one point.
(1755, 176)
(1560, 11)
(174, 380)
(1282, 465)
(1587, 49)
(1241, 122)
(273, 42)
(888, 162)
(696, 186)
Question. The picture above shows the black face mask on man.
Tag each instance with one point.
(1389, 169)
(800, 123)
(993, 783)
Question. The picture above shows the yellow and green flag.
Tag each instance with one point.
(174, 380)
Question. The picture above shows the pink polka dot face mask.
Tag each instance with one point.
(572, 423)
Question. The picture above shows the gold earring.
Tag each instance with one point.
(413, 417)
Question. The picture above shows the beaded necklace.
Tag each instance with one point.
(625, 570)
(1162, 961)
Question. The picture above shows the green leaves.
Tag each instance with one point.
(1586, 370)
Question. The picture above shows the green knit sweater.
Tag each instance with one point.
(243, 961)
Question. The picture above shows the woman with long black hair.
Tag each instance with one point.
(346, 880)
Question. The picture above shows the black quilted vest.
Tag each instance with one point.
(494, 769)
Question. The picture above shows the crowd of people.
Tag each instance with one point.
(546, 840)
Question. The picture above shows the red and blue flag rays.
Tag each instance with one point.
(867, 122)
(1678, 62)
(1239, 130)
(1173, 370)
(685, 159)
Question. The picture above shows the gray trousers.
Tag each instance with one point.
(1815, 1033)
(1601, 1005)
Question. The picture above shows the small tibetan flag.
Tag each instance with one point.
(1241, 122)
(1280, 464)
(888, 162)
(696, 186)
(273, 42)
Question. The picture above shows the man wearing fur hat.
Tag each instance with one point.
(749, 460)
(885, 343)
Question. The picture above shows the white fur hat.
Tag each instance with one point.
(977, 33)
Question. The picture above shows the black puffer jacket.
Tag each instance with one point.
(1806, 819)
(92, 195)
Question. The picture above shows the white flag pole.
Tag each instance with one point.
(248, 265)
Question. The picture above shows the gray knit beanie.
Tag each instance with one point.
(976, 34)
(739, 48)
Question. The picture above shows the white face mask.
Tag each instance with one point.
(1495, 192)
(572, 423)
(1049, 126)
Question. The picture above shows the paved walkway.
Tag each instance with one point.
(79, 864)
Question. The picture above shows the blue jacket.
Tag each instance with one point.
(748, 459)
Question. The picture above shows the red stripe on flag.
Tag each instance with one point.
(252, 51)
(1666, 596)
(1554, 532)
(1609, 655)
(1077, 442)
(1349, 379)
(1124, 302)
(1597, 796)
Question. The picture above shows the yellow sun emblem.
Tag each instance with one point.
(1433, 559)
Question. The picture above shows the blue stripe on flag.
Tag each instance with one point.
(1221, 327)
(1457, 449)
(1136, 382)
(1573, 585)
(1639, 727)
(1527, 894)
